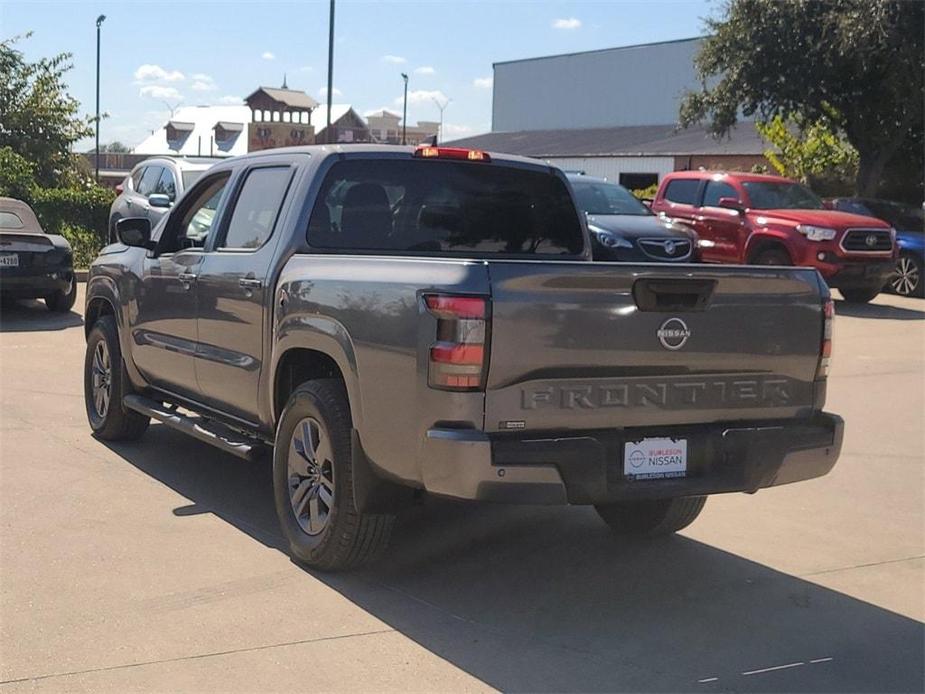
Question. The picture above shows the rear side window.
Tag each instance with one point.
(716, 190)
(257, 207)
(444, 206)
(683, 190)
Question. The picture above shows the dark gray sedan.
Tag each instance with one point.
(624, 229)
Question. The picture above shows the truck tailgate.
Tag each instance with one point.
(579, 345)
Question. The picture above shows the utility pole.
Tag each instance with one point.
(404, 113)
(442, 107)
(99, 22)
(327, 129)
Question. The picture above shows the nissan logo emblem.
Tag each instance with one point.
(673, 334)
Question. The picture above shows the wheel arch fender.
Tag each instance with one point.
(767, 238)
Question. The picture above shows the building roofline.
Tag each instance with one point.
(597, 50)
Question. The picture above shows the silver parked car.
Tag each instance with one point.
(153, 186)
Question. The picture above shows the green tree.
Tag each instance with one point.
(38, 119)
(114, 147)
(17, 176)
(857, 65)
(803, 150)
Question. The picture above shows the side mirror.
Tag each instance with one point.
(159, 200)
(134, 231)
(731, 204)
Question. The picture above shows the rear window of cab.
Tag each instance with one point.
(420, 206)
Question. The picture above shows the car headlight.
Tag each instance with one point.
(608, 239)
(813, 233)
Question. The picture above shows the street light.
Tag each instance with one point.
(99, 22)
(442, 107)
(404, 115)
(327, 130)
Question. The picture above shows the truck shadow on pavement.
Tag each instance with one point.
(31, 316)
(881, 311)
(546, 599)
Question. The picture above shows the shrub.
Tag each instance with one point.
(17, 176)
(85, 243)
(87, 208)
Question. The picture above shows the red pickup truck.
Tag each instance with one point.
(769, 220)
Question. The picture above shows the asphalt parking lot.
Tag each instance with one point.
(157, 565)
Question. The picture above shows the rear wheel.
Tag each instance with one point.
(859, 295)
(62, 301)
(771, 256)
(105, 383)
(651, 517)
(908, 278)
(313, 482)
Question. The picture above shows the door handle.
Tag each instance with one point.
(250, 283)
(187, 278)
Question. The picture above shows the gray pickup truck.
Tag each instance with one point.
(392, 321)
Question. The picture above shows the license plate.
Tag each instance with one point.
(9, 260)
(657, 458)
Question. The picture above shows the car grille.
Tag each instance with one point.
(867, 241)
(666, 249)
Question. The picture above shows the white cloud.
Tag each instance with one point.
(394, 59)
(483, 82)
(570, 23)
(424, 70)
(421, 96)
(324, 92)
(201, 77)
(231, 99)
(156, 91)
(155, 73)
(266, 55)
(203, 83)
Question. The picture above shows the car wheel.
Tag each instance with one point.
(908, 278)
(859, 295)
(772, 256)
(105, 383)
(313, 482)
(651, 517)
(62, 301)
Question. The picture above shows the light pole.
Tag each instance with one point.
(442, 107)
(404, 113)
(327, 129)
(99, 22)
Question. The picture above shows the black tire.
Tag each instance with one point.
(61, 301)
(908, 280)
(771, 256)
(113, 422)
(650, 518)
(344, 538)
(859, 295)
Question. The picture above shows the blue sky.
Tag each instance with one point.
(218, 52)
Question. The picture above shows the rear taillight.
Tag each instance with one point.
(825, 350)
(458, 358)
(120, 189)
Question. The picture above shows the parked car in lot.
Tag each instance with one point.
(768, 220)
(624, 229)
(909, 223)
(393, 320)
(153, 186)
(33, 264)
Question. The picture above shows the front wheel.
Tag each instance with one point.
(859, 295)
(313, 482)
(908, 278)
(651, 517)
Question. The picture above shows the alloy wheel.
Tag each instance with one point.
(906, 281)
(102, 379)
(311, 475)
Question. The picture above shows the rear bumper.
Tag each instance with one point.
(587, 467)
(30, 284)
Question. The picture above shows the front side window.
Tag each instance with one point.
(189, 225)
(257, 207)
(783, 195)
(683, 190)
(607, 198)
(444, 206)
(149, 180)
(136, 177)
(167, 185)
(716, 190)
